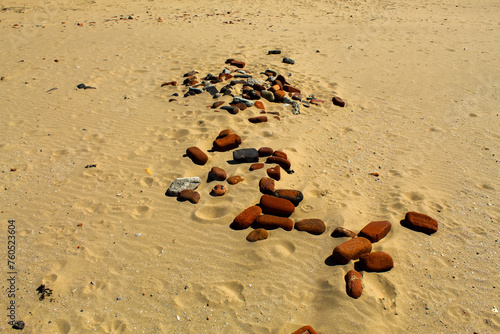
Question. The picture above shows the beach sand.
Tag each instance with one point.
(421, 83)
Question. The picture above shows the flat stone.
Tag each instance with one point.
(288, 61)
(189, 195)
(375, 231)
(351, 250)
(212, 90)
(227, 143)
(313, 226)
(281, 154)
(284, 163)
(234, 179)
(246, 155)
(256, 166)
(258, 119)
(338, 101)
(258, 234)
(259, 105)
(290, 89)
(274, 52)
(170, 83)
(181, 184)
(376, 262)
(246, 218)
(274, 172)
(233, 110)
(268, 95)
(217, 104)
(354, 288)
(217, 174)
(420, 223)
(305, 330)
(237, 100)
(270, 222)
(197, 155)
(239, 64)
(266, 186)
(276, 206)
(343, 232)
(279, 95)
(265, 151)
(294, 196)
(224, 133)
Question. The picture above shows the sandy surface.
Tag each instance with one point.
(421, 83)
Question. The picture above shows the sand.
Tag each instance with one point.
(421, 85)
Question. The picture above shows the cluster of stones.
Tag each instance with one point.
(359, 247)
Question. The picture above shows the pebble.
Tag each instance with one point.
(227, 143)
(266, 185)
(281, 79)
(313, 226)
(354, 288)
(237, 100)
(288, 61)
(241, 106)
(190, 195)
(268, 95)
(224, 133)
(276, 206)
(170, 83)
(338, 101)
(190, 73)
(269, 72)
(256, 166)
(217, 104)
(305, 330)
(259, 105)
(246, 218)
(259, 87)
(218, 190)
(295, 108)
(254, 95)
(375, 231)
(181, 184)
(258, 234)
(280, 154)
(294, 196)
(239, 64)
(279, 95)
(420, 223)
(376, 262)
(343, 232)
(234, 179)
(274, 52)
(290, 89)
(265, 151)
(217, 174)
(233, 110)
(212, 90)
(258, 119)
(197, 155)
(246, 155)
(351, 250)
(297, 97)
(270, 222)
(284, 163)
(274, 172)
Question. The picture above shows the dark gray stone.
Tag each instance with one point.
(288, 61)
(231, 109)
(211, 89)
(246, 155)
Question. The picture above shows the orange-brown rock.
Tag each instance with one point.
(217, 174)
(420, 223)
(376, 262)
(276, 206)
(375, 231)
(279, 95)
(240, 105)
(259, 165)
(265, 151)
(197, 155)
(189, 195)
(354, 288)
(258, 234)
(351, 250)
(170, 83)
(270, 222)
(275, 88)
(258, 119)
(266, 186)
(224, 133)
(274, 172)
(190, 81)
(284, 163)
(239, 64)
(338, 101)
(313, 226)
(281, 78)
(218, 190)
(294, 196)
(280, 154)
(297, 97)
(246, 218)
(259, 104)
(227, 143)
(343, 232)
(217, 104)
(305, 330)
(290, 89)
(234, 179)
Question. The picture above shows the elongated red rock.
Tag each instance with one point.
(266, 186)
(258, 119)
(246, 218)
(258, 234)
(294, 196)
(313, 226)
(280, 154)
(239, 64)
(224, 133)
(290, 89)
(305, 330)
(351, 250)
(376, 262)
(258, 165)
(375, 231)
(270, 222)
(338, 101)
(217, 104)
(354, 288)
(265, 151)
(420, 223)
(217, 174)
(284, 163)
(234, 179)
(279, 95)
(197, 155)
(276, 206)
(274, 172)
(227, 143)
(170, 83)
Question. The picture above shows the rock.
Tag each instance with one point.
(234, 179)
(190, 81)
(270, 73)
(218, 190)
(256, 166)
(297, 97)
(197, 155)
(212, 90)
(280, 154)
(246, 155)
(295, 108)
(274, 172)
(233, 110)
(317, 101)
(375, 231)
(240, 106)
(246, 218)
(279, 95)
(194, 91)
(259, 105)
(268, 95)
(190, 73)
(354, 288)
(274, 52)
(276, 206)
(237, 100)
(217, 174)
(265, 151)
(284, 163)
(258, 234)
(266, 186)
(270, 222)
(287, 100)
(172, 100)
(275, 88)
(338, 101)
(19, 325)
(181, 184)
(217, 104)
(288, 61)
(420, 223)
(294, 196)
(244, 76)
(189, 195)
(305, 330)
(239, 64)
(254, 95)
(170, 83)
(376, 262)
(290, 89)
(343, 232)
(313, 226)
(351, 250)
(259, 87)
(258, 119)
(227, 143)
(281, 79)
(224, 133)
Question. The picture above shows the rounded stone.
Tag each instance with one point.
(227, 143)
(276, 206)
(274, 172)
(265, 151)
(217, 174)
(313, 226)
(197, 155)
(279, 95)
(234, 179)
(284, 163)
(280, 154)
(270, 222)
(338, 101)
(189, 195)
(218, 190)
(354, 288)
(256, 166)
(343, 232)
(266, 186)
(260, 105)
(258, 119)
(294, 196)
(376, 262)
(420, 223)
(258, 234)
(375, 231)
(246, 218)
(351, 250)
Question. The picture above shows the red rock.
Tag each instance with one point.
(246, 218)
(317, 101)
(338, 101)
(189, 195)
(305, 330)
(240, 105)
(376, 262)
(172, 100)
(297, 97)
(290, 89)
(375, 231)
(266, 186)
(218, 190)
(227, 143)
(277, 118)
(294, 196)
(258, 119)
(265, 151)
(275, 88)
(313, 226)
(420, 223)
(276, 206)
(269, 222)
(351, 250)
(217, 104)
(256, 166)
(198, 156)
(280, 154)
(225, 76)
(343, 232)
(239, 64)
(274, 172)
(284, 163)
(279, 83)
(245, 96)
(217, 174)
(224, 133)
(279, 95)
(234, 179)
(190, 81)
(258, 234)
(170, 83)
(229, 60)
(354, 288)
(258, 87)
(259, 105)
(281, 78)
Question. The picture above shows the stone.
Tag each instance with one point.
(194, 91)
(343, 232)
(254, 95)
(375, 231)
(227, 143)
(270, 73)
(197, 155)
(265, 151)
(181, 184)
(297, 97)
(239, 64)
(281, 78)
(295, 108)
(224, 133)
(305, 330)
(268, 95)
(284, 163)
(237, 100)
(218, 190)
(258, 234)
(276, 206)
(354, 288)
(190, 73)
(259, 87)
(259, 105)
(217, 174)
(270, 222)
(172, 100)
(279, 95)
(351, 250)
(217, 104)
(376, 262)
(189, 195)
(256, 166)
(280, 154)
(258, 119)
(294, 196)
(234, 179)
(420, 223)
(338, 101)
(240, 106)
(190, 81)
(313, 226)
(246, 155)
(290, 89)
(274, 52)
(246, 218)
(170, 83)
(288, 61)
(233, 110)
(266, 186)
(211, 89)
(274, 172)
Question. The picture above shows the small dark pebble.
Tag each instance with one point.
(274, 52)
(18, 325)
(288, 61)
